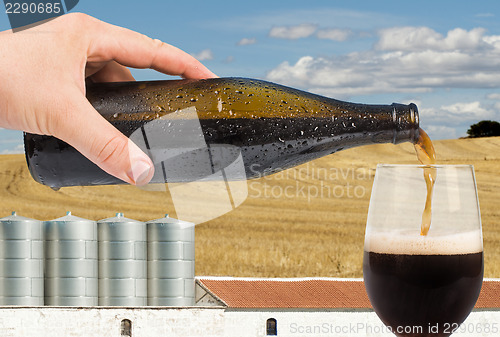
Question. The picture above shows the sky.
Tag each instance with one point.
(442, 55)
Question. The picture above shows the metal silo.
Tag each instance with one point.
(21, 261)
(170, 262)
(122, 262)
(71, 261)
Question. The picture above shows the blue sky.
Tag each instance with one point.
(443, 56)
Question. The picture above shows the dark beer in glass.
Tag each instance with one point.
(423, 285)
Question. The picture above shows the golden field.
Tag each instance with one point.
(306, 221)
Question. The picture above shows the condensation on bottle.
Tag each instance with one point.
(192, 128)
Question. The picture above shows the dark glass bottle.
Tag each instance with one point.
(193, 129)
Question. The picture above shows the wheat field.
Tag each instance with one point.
(306, 221)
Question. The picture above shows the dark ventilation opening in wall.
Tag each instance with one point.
(126, 328)
(271, 327)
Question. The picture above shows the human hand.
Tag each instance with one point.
(42, 90)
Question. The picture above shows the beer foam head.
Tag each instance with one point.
(412, 243)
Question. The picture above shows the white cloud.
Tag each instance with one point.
(334, 34)
(405, 59)
(356, 73)
(247, 41)
(205, 54)
(459, 114)
(469, 110)
(424, 38)
(493, 96)
(293, 32)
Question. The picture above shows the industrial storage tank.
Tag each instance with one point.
(70, 261)
(21, 261)
(122, 262)
(170, 262)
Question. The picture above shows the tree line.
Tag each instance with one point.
(484, 129)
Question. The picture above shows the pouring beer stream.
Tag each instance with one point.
(427, 156)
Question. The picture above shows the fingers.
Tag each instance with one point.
(111, 72)
(104, 145)
(136, 50)
(109, 50)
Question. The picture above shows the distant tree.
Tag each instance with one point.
(484, 129)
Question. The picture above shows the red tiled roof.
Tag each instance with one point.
(288, 293)
(490, 295)
(310, 293)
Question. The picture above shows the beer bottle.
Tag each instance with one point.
(194, 128)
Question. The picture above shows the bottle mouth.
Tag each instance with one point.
(405, 119)
(414, 118)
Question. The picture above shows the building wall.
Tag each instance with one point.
(208, 322)
(94, 322)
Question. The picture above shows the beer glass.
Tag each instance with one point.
(423, 285)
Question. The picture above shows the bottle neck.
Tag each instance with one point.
(369, 123)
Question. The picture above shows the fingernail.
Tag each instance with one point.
(140, 172)
(141, 168)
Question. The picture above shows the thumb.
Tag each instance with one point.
(93, 136)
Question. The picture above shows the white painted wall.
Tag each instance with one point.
(208, 322)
